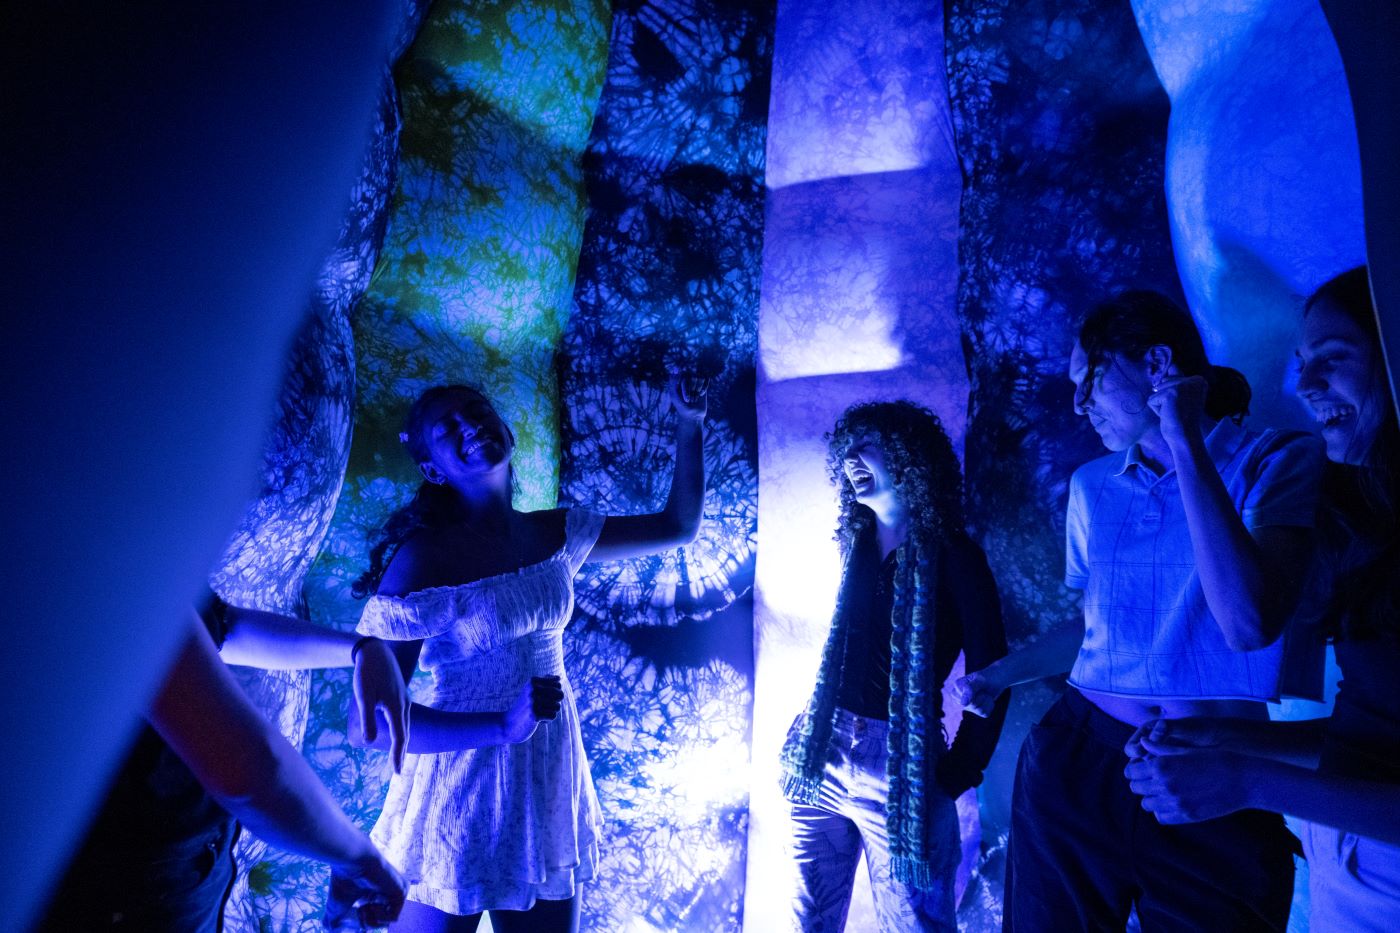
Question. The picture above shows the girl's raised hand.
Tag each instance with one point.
(688, 395)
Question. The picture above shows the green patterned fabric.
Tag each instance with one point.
(474, 284)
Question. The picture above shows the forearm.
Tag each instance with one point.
(1230, 563)
(1367, 808)
(277, 642)
(1297, 743)
(289, 807)
(685, 503)
(242, 761)
(678, 522)
(432, 731)
(1051, 654)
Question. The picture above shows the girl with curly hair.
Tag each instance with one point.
(866, 766)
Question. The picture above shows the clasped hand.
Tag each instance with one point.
(688, 395)
(539, 699)
(366, 894)
(978, 693)
(1181, 771)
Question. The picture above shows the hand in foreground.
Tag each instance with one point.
(688, 395)
(539, 699)
(1187, 788)
(369, 893)
(978, 693)
(381, 699)
(1178, 736)
(1179, 402)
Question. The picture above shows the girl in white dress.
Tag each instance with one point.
(490, 812)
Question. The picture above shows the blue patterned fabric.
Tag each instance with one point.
(1060, 124)
(660, 647)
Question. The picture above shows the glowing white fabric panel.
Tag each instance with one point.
(859, 272)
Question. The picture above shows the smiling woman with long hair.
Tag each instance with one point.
(494, 812)
(1340, 774)
(866, 766)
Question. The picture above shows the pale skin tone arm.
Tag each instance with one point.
(276, 642)
(1051, 654)
(243, 762)
(1251, 580)
(435, 730)
(678, 522)
(1182, 780)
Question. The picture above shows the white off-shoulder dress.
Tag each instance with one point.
(501, 826)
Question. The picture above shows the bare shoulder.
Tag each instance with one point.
(419, 563)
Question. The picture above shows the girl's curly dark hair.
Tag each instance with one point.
(922, 465)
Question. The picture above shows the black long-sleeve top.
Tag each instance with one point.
(967, 610)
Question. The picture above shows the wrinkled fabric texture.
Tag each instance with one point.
(849, 818)
(1148, 631)
(1353, 881)
(500, 826)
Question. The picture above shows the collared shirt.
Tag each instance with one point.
(1147, 629)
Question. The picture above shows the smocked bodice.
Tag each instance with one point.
(482, 640)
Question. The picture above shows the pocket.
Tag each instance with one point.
(1375, 864)
(198, 866)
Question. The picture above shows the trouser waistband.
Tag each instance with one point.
(1077, 709)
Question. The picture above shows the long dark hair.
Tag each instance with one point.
(1359, 541)
(923, 469)
(432, 506)
(1133, 322)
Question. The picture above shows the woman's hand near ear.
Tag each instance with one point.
(1179, 403)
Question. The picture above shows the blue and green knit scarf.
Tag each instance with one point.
(912, 755)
